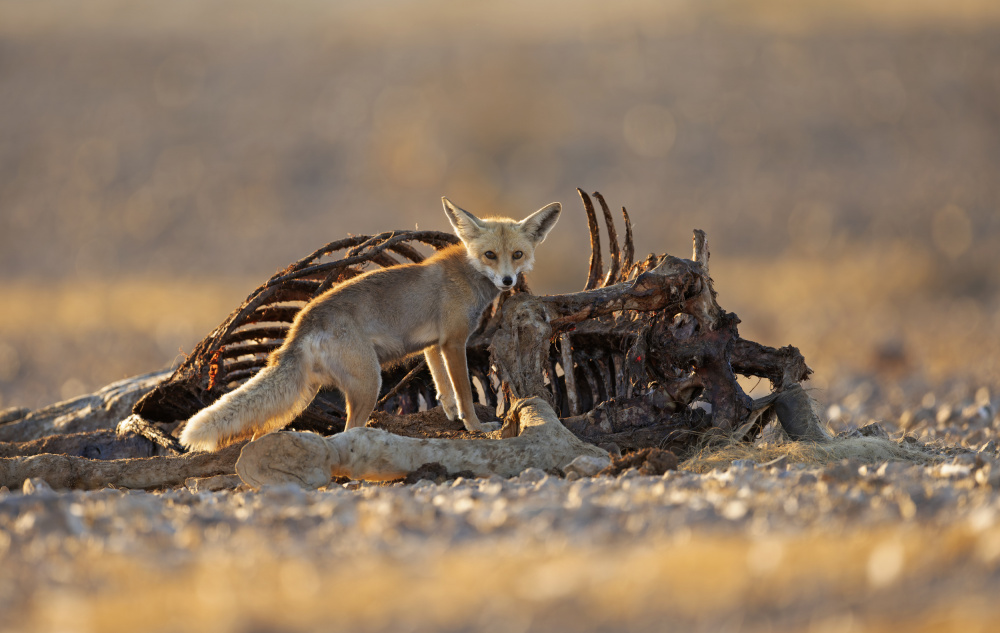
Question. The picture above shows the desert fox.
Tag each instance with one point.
(344, 336)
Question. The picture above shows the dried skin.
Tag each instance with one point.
(650, 462)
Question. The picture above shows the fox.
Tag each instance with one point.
(344, 337)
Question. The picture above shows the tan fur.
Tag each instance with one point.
(343, 337)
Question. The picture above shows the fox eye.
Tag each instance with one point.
(517, 255)
(490, 255)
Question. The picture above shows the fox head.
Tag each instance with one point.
(502, 248)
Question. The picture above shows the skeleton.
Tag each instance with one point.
(642, 357)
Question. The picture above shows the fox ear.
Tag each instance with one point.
(537, 225)
(467, 226)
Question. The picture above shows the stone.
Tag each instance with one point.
(218, 482)
(585, 466)
(532, 475)
(36, 486)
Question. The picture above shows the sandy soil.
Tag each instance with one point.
(751, 547)
(718, 545)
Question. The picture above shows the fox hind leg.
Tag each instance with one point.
(361, 385)
(439, 371)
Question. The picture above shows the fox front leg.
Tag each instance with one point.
(458, 370)
(439, 371)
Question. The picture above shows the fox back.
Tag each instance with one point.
(402, 309)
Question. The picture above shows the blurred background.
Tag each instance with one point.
(158, 161)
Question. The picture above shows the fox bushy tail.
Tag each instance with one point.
(267, 402)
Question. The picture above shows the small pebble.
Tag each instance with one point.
(629, 473)
(35, 486)
(944, 414)
(532, 475)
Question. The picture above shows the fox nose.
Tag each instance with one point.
(508, 281)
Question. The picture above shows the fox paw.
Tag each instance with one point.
(484, 427)
(449, 408)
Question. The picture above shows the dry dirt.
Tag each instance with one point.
(769, 537)
(754, 547)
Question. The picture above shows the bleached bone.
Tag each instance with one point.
(312, 461)
(99, 411)
(63, 471)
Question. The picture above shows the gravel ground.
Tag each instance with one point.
(842, 157)
(845, 546)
